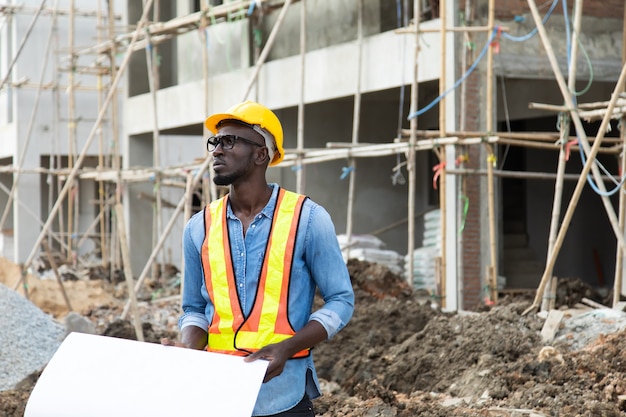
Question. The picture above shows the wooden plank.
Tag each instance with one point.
(552, 325)
(592, 303)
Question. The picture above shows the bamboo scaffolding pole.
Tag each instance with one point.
(490, 79)
(165, 30)
(211, 190)
(618, 281)
(154, 85)
(46, 11)
(300, 173)
(463, 93)
(55, 161)
(589, 165)
(21, 47)
(29, 129)
(101, 162)
(492, 269)
(26, 85)
(116, 163)
(587, 115)
(442, 80)
(54, 210)
(443, 36)
(71, 134)
(549, 296)
(266, 49)
(548, 176)
(531, 136)
(128, 271)
(460, 29)
(441, 275)
(186, 216)
(621, 101)
(594, 115)
(136, 175)
(410, 154)
(552, 146)
(356, 119)
(375, 150)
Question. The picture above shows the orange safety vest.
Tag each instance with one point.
(230, 332)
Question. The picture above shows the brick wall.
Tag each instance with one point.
(507, 9)
(471, 256)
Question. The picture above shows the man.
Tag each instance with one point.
(253, 261)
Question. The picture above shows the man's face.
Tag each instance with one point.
(232, 165)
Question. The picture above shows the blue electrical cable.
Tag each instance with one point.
(534, 31)
(460, 80)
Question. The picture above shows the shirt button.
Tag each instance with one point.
(253, 226)
(241, 285)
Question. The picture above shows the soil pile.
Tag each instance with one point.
(399, 356)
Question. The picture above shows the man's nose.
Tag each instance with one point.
(218, 148)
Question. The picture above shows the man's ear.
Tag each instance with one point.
(262, 156)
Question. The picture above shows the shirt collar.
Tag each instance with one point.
(268, 210)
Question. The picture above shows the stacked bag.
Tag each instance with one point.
(370, 248)
(424, 258)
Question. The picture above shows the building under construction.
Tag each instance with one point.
(505, 118)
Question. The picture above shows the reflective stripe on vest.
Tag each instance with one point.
(268, 322)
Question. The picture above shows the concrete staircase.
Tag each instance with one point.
(519, 263)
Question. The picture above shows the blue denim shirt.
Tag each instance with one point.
(317, 263)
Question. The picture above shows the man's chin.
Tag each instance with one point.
(222, 180)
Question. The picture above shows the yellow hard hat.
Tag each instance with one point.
(261, 119)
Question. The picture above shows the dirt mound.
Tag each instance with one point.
(401, 357)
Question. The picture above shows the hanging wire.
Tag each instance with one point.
(535, 30)
(460, 80)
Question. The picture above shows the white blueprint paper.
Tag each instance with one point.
(98, 376)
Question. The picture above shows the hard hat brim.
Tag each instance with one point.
(214, 120)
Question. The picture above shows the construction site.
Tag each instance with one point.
(470, 154)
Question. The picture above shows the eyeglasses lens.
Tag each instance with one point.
(227, 141)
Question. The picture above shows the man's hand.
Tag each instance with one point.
(277, 355)
(192, 337)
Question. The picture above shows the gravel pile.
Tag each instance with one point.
(28, 338)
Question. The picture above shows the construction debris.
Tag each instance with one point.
(400, 357)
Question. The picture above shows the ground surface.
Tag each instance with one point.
(400, 357)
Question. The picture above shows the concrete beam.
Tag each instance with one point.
(330, 75)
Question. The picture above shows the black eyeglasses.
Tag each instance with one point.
(228, 142)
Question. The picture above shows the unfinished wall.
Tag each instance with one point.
(508, 9)
(600, 41)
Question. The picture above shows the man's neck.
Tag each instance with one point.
(250, 199)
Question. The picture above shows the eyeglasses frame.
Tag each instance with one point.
(218, 142)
